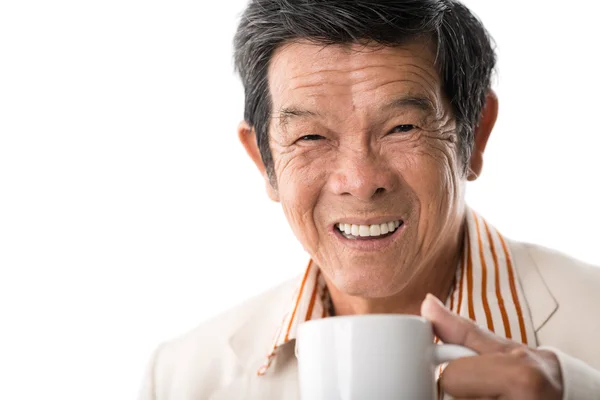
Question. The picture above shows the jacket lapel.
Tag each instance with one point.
(251, 344)
(542, 304)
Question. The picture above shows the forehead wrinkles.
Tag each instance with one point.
(361, 74)
(334, 83)
(301, 69)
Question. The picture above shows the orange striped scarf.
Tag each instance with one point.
(486, 290)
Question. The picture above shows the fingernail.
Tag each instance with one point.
(430, 306)
(434, 299)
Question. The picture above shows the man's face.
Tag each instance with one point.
(363, 140)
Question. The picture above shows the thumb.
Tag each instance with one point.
(454, 329)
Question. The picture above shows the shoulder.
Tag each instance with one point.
(217, 330)
(202, 359)
(563, 273)
(573, 283)
(570, 281)
(573, 326)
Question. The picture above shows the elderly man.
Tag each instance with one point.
(366, 119)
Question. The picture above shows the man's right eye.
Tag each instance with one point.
(311, 137)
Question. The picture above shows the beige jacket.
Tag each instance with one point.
(219, 359)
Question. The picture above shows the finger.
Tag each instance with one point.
(478, 377)
(452, 328)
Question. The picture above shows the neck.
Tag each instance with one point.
(436, 277)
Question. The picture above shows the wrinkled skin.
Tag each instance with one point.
(343, 151)
(349, 147)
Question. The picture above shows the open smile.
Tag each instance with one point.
(367, 232)
(372, 237)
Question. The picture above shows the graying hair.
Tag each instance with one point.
(465, 54)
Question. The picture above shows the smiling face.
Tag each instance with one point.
(364, 145)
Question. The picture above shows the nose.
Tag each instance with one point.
(363, 175)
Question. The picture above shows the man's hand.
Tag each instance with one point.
(502, 370)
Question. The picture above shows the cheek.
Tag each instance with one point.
(432, 176)
(300, 181)
(429, 176)
(300, 186)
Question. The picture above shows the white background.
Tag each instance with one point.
(129, 212)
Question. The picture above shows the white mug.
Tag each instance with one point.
(368, 357)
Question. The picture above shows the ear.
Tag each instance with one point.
(482, 134)
(247, 136)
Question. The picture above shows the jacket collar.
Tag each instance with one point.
(542, 305)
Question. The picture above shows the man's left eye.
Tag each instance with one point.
(311, 137)
(403, 128)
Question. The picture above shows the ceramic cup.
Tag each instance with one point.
(366, 357)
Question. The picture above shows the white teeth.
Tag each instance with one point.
(375, 230)
(384, 229)
(364, 230)
(368, 230)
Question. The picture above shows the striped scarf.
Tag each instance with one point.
(486, 290)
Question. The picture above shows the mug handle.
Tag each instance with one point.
(447, 352)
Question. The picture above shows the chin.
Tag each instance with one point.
(366, 284)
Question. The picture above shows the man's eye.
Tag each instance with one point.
(403, 128)
(311, 137)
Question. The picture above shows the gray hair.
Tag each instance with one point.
(465, 55)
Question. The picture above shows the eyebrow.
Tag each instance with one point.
(421, 102)
(285, 114)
